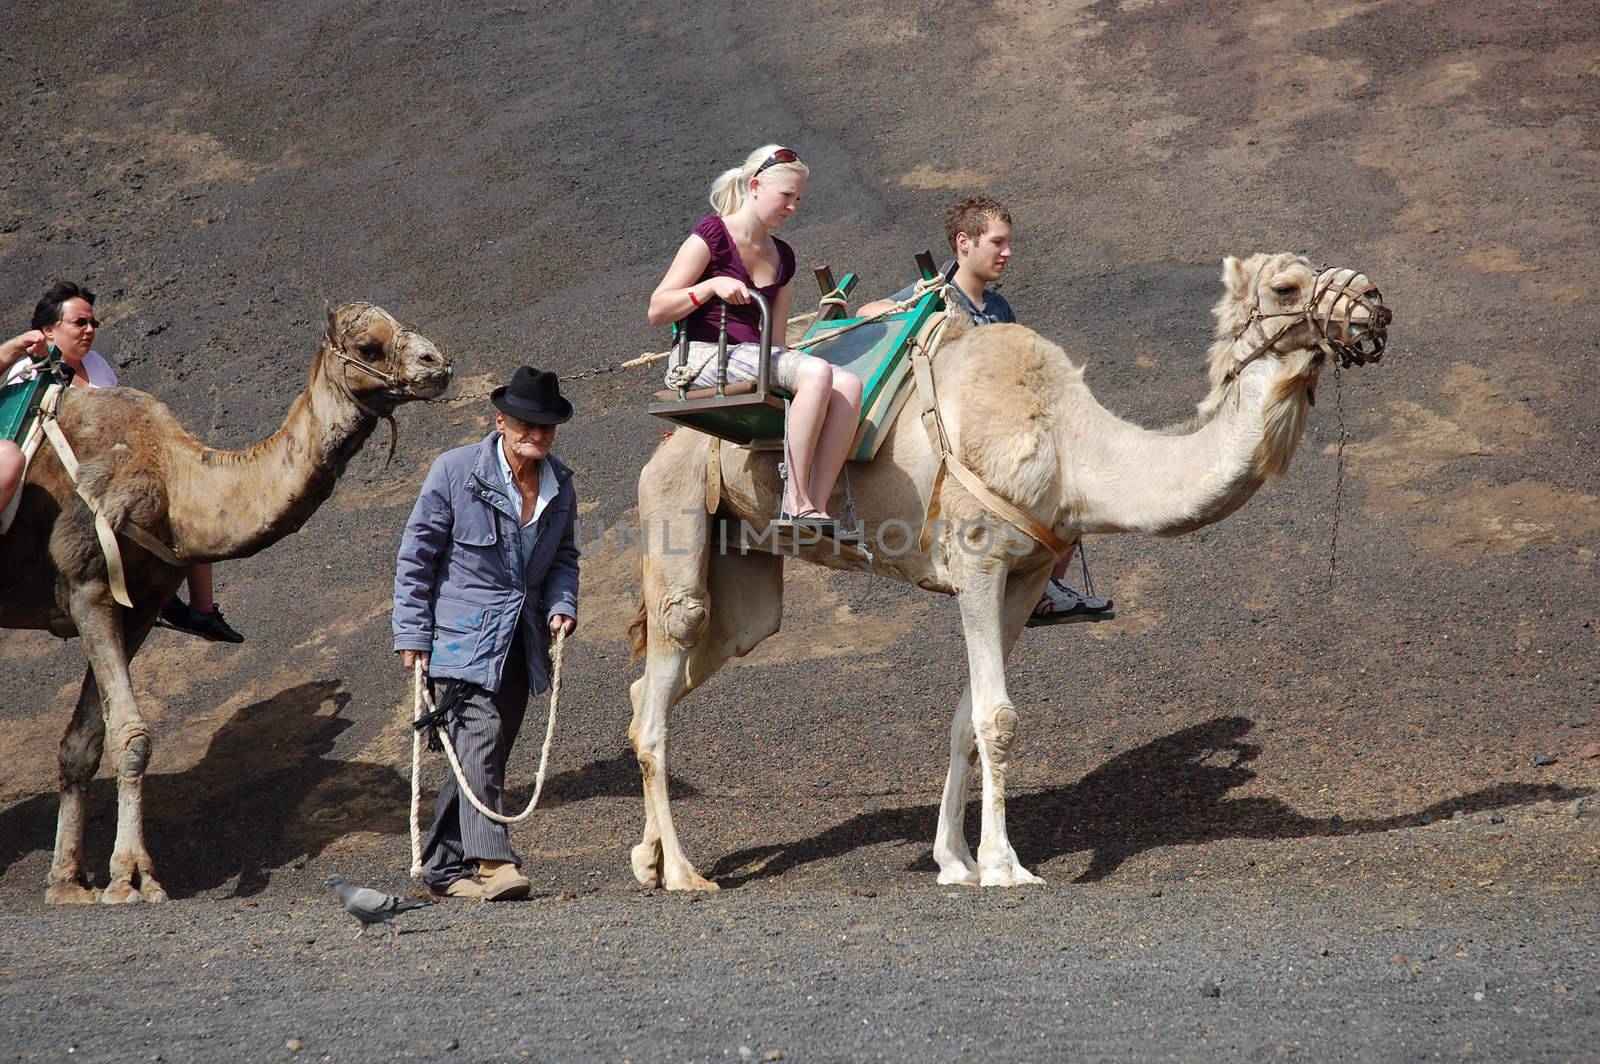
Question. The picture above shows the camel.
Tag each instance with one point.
(1019, 415)
(144, 469)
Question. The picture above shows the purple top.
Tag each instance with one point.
(744, 323)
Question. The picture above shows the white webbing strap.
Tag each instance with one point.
(102, 528)
(933, 423)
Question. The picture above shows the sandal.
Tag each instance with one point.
(812, 520)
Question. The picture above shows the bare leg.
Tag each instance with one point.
(808, 412)
(1060, 571)
(201, 587)
(11, 471)
(838, 430)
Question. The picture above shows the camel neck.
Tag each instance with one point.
(232, 504)
(1119, 477)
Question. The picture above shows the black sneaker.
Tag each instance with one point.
(180, 616)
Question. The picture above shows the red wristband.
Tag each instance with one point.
(692, 299)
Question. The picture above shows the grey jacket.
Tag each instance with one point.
(457, 592)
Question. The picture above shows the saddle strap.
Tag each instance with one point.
(102, 527)
(714, 475)
(933, 423)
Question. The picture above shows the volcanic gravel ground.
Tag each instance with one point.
(1361, 779)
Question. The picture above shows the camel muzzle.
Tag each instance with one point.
(1348, 314)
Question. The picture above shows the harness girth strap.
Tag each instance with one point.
(102, 527)
(933, 423)
(714, 475)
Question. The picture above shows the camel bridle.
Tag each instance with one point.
(341, 380)
(1352, 342)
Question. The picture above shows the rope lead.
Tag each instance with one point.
(427, 716)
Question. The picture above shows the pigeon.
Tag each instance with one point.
(370, 906)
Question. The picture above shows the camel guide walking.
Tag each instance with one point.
(979, 231)
(487, 574)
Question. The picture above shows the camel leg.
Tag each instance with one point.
(993, 610)
(691, 634)
(81, 746)
(109, 649)
(950, 849)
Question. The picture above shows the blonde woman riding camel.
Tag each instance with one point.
(730, 254)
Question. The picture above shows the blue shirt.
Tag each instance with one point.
(995, 309)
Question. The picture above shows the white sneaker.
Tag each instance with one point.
(1059, 600)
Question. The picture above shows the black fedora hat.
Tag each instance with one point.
(533, 396)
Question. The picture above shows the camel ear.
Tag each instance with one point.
(333, 323)
(1234, 277)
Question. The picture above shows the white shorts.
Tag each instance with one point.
(742, 360)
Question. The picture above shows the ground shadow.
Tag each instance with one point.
(615, 777)
(268, 794)
(1171, 791)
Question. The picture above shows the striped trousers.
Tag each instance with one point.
(482, 734)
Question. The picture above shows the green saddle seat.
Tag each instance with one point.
(19, 405)
(877, 352)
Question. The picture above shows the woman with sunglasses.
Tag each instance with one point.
(729, 254)
(64, 321)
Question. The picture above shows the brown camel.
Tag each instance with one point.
(144, 469)
(1019, 415)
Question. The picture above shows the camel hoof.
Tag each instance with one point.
(692, 881)
(958, 875)
(122, 893)
(1012, 876)
(151, 892)
(70, 892)
(646, 861)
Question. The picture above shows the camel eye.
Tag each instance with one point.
(1283, 291)
(370, 348)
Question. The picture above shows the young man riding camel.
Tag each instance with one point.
(979, 231)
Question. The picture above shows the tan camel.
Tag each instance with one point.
(1018, 415)
(142, 467)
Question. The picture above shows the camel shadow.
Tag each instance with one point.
(1170, 791)
(268, 794)
(614, 777)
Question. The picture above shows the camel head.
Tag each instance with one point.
(380, 363)
(1282, 306)
(1280, 310)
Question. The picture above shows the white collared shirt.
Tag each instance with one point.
(547, 483)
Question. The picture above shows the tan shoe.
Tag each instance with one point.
(465, 887)
(502, 882)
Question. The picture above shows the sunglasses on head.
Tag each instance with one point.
(782, 155)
